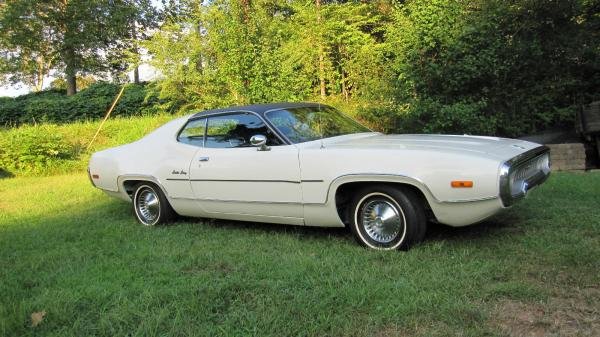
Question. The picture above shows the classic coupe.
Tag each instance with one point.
(309, 164)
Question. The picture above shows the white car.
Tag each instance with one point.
(308, 164)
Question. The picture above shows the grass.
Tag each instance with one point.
(72, 252)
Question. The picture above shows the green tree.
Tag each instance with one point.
(71, 36)
(223, 52)
(25, 45)
(494, 67)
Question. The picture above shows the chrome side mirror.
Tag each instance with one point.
(260, 141)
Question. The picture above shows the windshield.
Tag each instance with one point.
(312, 123)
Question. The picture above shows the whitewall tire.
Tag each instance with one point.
(385, 217)
(150, 205)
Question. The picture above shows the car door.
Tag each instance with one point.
(229, 176)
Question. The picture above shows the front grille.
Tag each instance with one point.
(522, 173)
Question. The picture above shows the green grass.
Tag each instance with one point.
(73, 252)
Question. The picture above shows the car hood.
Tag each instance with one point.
(500, 148)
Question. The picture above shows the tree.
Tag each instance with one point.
(341, 46)
(25, 45)
(495, 67)
(143, 22)
(223, 52)
(73, 36)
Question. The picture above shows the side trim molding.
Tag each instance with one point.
(403, 179)
(249, 180)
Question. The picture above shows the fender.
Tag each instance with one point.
(378, 177)
(141, 177)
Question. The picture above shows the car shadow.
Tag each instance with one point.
(506, 222)
(306, 231)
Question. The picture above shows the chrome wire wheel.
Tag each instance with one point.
(147, 205)
(381, 219)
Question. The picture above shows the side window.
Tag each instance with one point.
(193, 132)
(236, 130)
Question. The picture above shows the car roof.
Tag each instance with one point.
(258, 108)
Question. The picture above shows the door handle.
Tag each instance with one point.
(203, 159)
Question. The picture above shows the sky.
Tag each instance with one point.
(13, 90)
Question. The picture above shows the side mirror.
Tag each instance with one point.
(259, 141)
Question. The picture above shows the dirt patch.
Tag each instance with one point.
(576, 313)
(393, 330)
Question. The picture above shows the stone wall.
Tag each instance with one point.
(567, 157)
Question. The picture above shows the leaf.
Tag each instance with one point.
(37, 318)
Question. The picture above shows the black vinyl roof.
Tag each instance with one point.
(257, 108)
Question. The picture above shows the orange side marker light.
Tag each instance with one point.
(461, 184)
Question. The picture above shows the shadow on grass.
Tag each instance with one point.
(506, 222)
(5, 174)
(305, 231)
(113, 212)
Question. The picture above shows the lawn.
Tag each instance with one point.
(69, 250)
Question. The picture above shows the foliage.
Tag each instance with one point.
(235, 52)
(479, 66)
(74, 37)
(82, 83)
(491, 67)
(34, 150)
(53, 106)
(509, 68)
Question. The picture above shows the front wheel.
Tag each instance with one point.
(384, 217)
(150, 205)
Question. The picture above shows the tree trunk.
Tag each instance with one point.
(344, 86)
(200, 61)
(71, 85)
(136, 70)
(246, 7)
(321, 52)
(70, 72)
(136, 75)
(39, 76)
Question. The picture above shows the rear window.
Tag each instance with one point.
(193, 132)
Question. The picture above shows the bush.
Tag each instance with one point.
(462, 117)
(35, 150)
(54, 106)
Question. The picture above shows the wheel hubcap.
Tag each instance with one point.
(381, 220)
(148, 206)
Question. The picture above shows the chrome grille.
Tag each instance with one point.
(522, 173)
(531, 168)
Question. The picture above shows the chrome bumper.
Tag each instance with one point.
(522, 173)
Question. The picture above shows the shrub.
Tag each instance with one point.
(35, 149)
(54, 106)
(462, 117)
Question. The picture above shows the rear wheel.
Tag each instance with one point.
(150, 205)
(384, 217)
